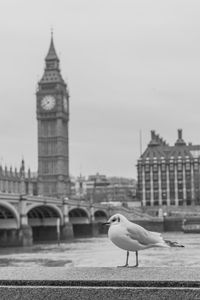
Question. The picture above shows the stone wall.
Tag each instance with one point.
(173, 223)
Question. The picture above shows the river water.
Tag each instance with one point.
(100, 252)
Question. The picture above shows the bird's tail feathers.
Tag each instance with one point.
(173, 244)
(161, 244)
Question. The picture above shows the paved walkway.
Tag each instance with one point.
(99, 283)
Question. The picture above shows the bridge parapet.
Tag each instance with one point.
(43, 199)
(132, 214)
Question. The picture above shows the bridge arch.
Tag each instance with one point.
(78, 216)
(9, 216)
(43, 220)
(41, 211)
(100, 216)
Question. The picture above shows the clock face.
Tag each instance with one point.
(48, 102)
(65, 104)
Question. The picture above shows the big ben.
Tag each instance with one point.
(53, 118)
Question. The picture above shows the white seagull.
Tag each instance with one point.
(132, 237)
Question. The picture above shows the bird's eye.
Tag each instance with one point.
(114, 220)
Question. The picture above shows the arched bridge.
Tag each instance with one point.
(24, 219)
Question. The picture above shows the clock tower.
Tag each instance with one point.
(53, 117)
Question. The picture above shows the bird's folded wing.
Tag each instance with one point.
(143, 236)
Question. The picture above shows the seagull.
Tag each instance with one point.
(132, 237)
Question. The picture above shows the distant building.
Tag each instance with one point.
(121, 189)
(99, 188)
(78, 187)
(169, 175)
(18, 181)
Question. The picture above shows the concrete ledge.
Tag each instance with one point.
(99, 283)
(73, 293)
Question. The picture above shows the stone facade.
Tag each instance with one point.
(17, 181)
(169, 175)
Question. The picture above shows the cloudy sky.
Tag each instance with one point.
(130, 65)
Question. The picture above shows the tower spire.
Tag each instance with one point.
(51, 55)
(52, 69)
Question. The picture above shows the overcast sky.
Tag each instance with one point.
(130, 65)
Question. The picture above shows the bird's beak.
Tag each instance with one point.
(106, 223)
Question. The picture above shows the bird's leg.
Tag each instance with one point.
(126, 264)
(136, 255)
(137, 263)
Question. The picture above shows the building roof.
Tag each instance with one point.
(159, 149)
(51, 76)
(52, 72)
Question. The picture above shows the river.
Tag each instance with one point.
(100, 252)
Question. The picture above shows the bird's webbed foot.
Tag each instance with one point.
(124, 266)
(135, 266)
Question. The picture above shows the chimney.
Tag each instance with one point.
(152, 134)
(180, 134)
(180, 141)
(157, 138)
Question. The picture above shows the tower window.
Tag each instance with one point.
(164, 195)
(148, 196)
(156, 195)
(45, 167)
(187, 166)
(163, 167)
(180, 175)
(179, 167)
(147, 168)
(188, 185)
(147, 177)
(155, 167)
(147, 185)
(155, 185)
(155, 176)
(180, 195)
(50, 65)
(188, 175)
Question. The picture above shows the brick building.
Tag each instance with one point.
(169, 175)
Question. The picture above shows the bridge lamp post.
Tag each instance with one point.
(58, 230)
